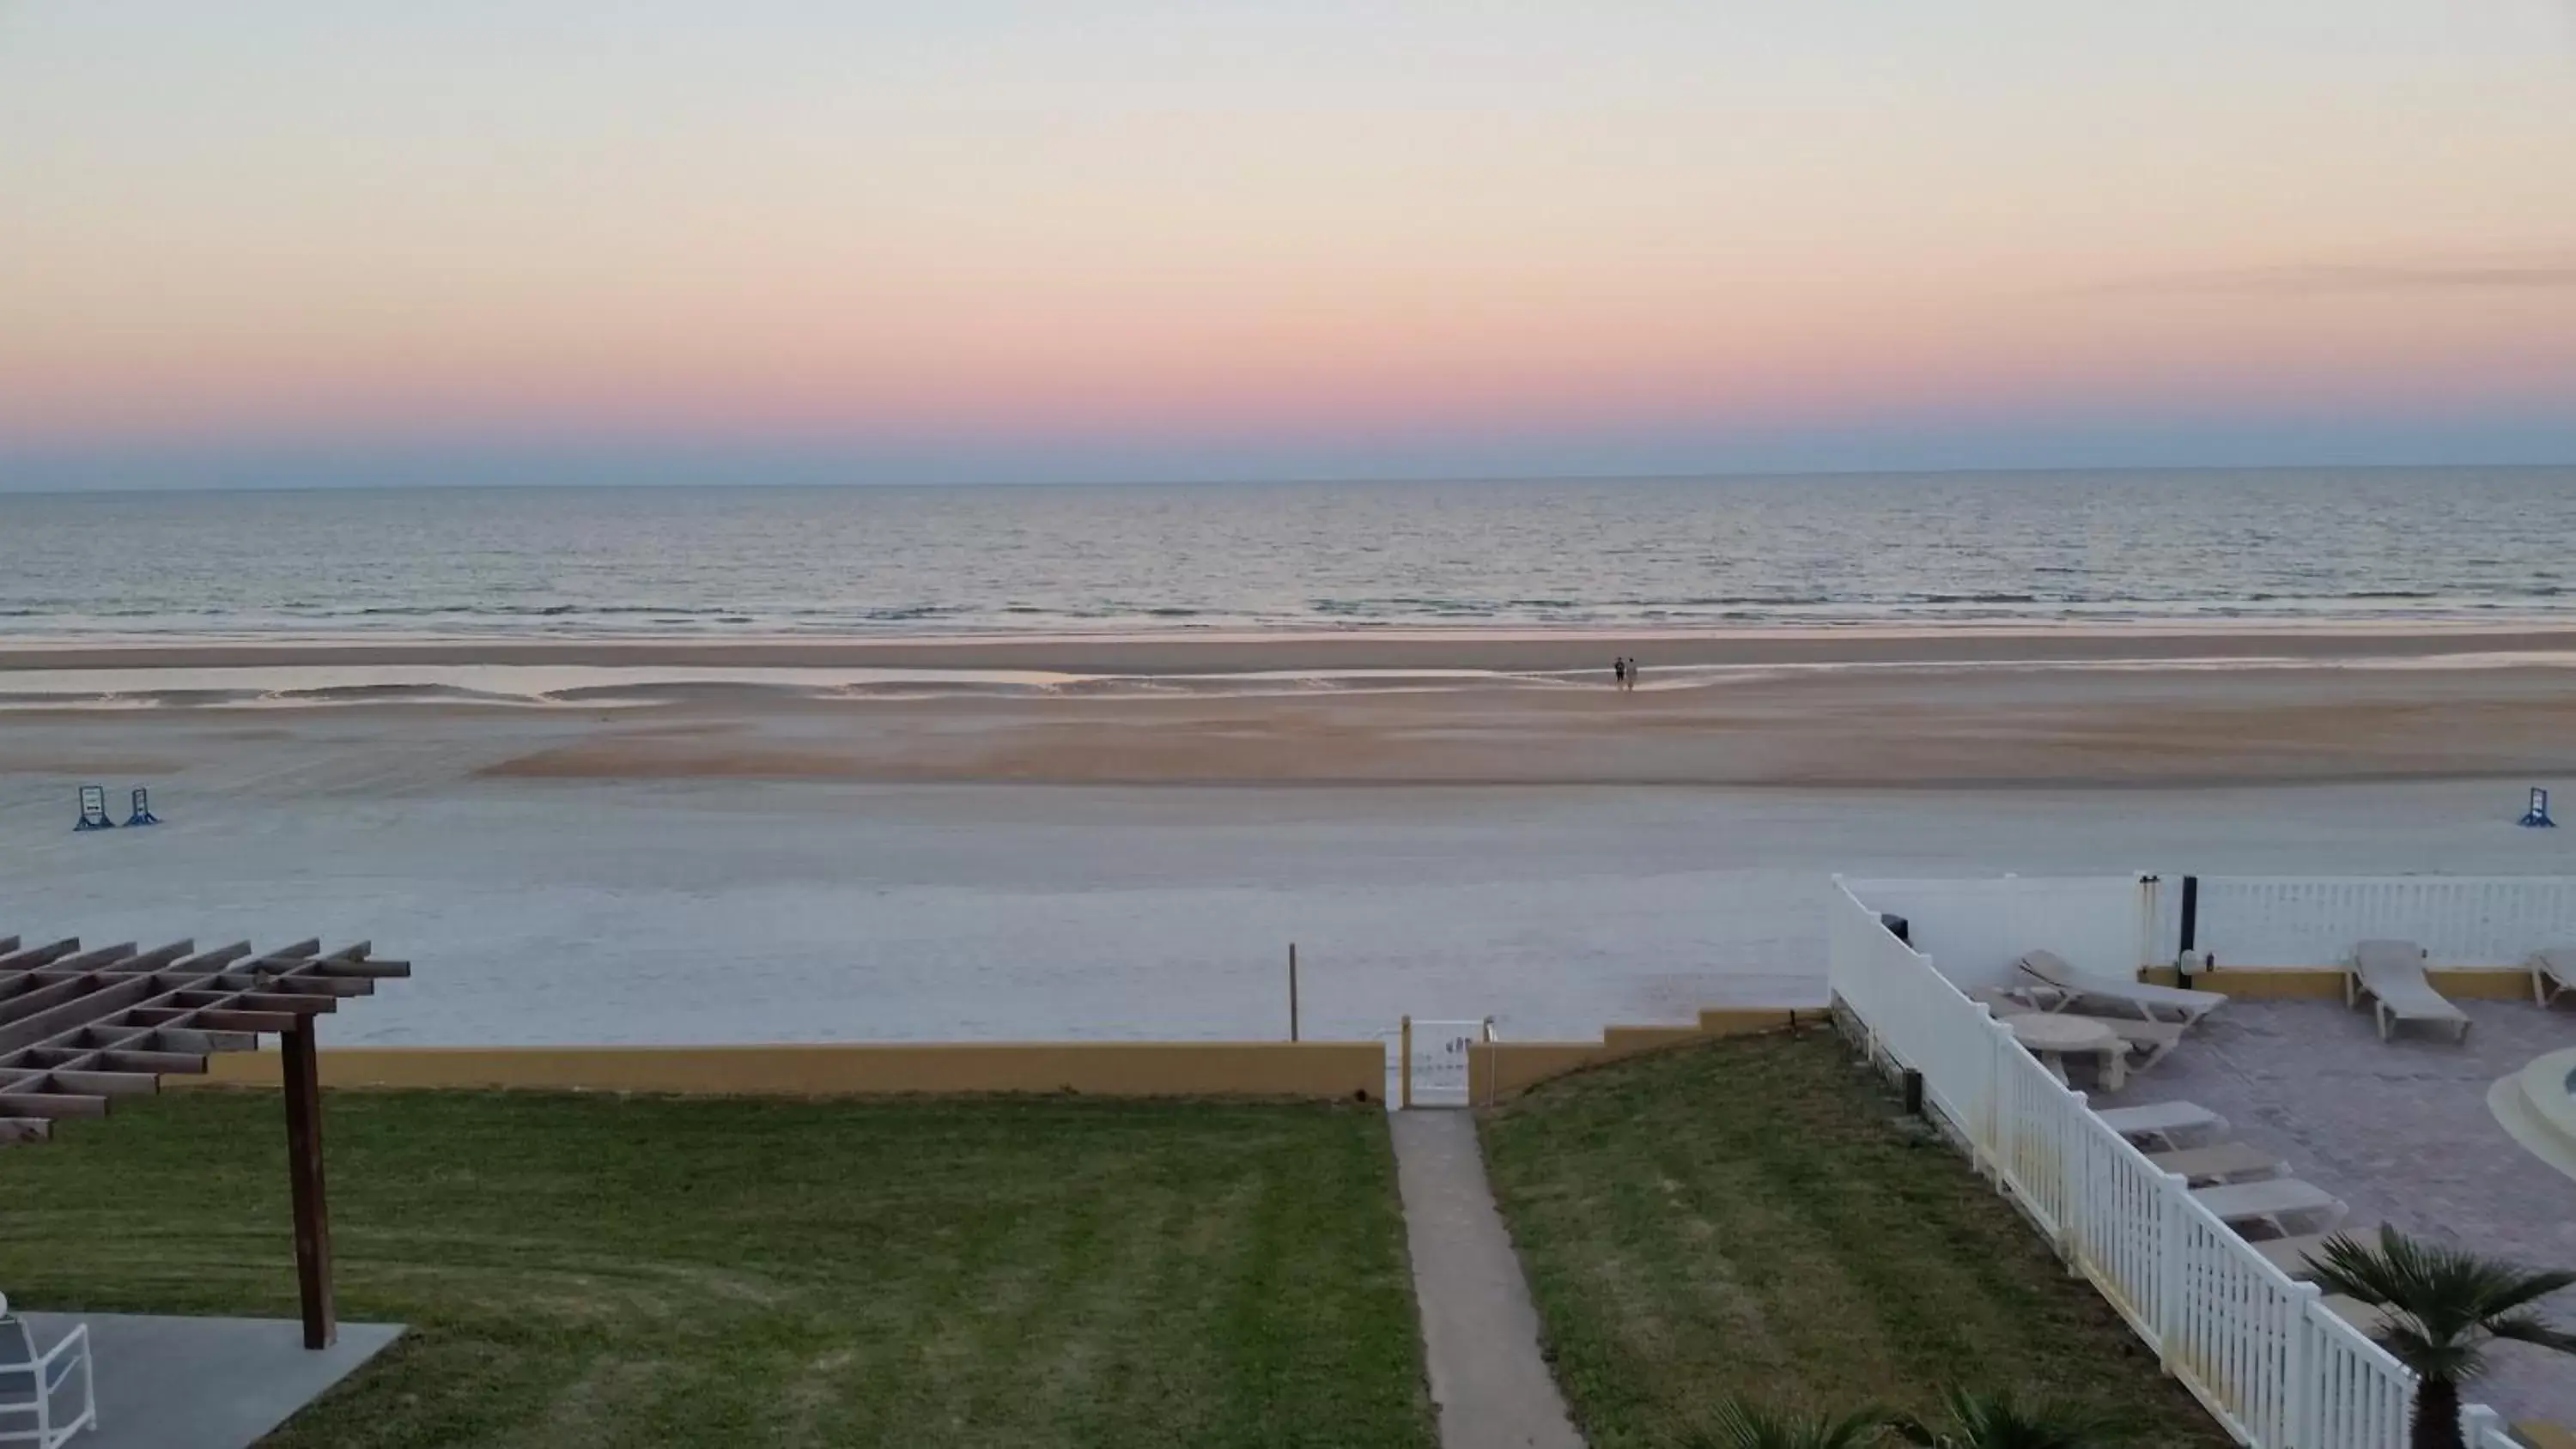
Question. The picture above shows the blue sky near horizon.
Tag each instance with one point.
(288, 242)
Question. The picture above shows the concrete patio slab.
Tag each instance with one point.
(205, 1383)
(2402, 1132)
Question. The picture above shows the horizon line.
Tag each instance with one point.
(1307, 480)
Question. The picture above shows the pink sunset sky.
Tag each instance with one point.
(1130, 239)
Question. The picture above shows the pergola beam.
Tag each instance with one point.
(104, 1084)
(52, 1105)
(80, 1028)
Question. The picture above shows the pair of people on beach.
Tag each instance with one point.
(1623, 673)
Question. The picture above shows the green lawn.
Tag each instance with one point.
(1755, 1217)
(603, 1271)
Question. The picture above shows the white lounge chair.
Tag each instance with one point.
(2166, 1122)
(2219, 1162)
(2369, 1319)
(2553, 973)
(2274, 1203)
(38, 1403)
(2391, 974)
(2294, 1256)
(2149, 1040)
(2148, 1000)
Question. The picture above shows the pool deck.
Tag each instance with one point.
(2402, 1132)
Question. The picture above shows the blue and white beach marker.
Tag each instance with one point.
(2537, 817)
(142, 809)
(93, 803)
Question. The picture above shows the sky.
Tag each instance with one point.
(358, 241)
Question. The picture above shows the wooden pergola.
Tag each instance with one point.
(80, 1028)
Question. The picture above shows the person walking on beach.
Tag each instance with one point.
(1619, 672)
(1632, 674)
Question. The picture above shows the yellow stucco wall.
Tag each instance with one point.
(1342, 1070)
(1503, 1069)
(2281, 983)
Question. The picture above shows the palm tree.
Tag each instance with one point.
(2445, 1306)
(1997, 1421)
(1742, 1426)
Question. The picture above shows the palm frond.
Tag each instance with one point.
(2532, 1328)
(2444, 1303)
(2525, 1288)
(1999, 1421)
(1739, 1425)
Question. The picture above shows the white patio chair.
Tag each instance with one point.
(38, 1402)
(2391, 974)
(2171, 1123)
(2297, 1256)
(2274, 1202)
(2219, 1162)
(2145, 998)
(2149, 1039)
(2368, 1319)
(2553, 973)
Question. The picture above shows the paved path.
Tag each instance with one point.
(1479, 1333)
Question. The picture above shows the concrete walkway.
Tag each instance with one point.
(204, 1383)
(1479, 1333)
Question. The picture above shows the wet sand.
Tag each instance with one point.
(1922, 708)
(1880, 730)
(1374, 649)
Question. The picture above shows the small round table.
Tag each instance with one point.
(2050, 1036)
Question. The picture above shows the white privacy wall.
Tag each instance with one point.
(2300, 921)
(1975, 929)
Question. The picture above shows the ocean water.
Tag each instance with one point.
(2429, 544)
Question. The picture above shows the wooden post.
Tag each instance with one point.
(304, 1171)
(1292, 991)
(1404, 1064)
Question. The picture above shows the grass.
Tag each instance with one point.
(1756, 1217)
(603, 1271)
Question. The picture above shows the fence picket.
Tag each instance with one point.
(2251, 921)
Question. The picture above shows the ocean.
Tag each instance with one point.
(717, 561)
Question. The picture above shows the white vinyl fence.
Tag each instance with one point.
(2296, 921)
(2275, 1367)
(1979, 928)
(2482, 1428)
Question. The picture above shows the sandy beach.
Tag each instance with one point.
(944, 856)
(1879, 709)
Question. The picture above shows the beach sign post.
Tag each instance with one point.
(2537, 817)
(142, 809)
(93, 809)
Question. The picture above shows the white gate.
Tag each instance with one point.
(1426, 1064)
